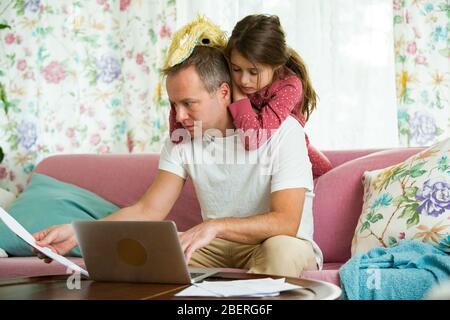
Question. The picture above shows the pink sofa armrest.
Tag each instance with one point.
(339, 195)
(338, 157)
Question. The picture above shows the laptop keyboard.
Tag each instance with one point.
(195, 274)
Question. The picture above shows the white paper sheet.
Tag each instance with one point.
(238, 288)
(19, 230)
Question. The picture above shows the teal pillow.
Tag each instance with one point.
(47, 202)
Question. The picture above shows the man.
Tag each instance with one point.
(256, 205)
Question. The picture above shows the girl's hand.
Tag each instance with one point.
(237, 93)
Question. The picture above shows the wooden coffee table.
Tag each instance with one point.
(55, 288)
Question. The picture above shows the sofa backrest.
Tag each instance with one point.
(123, 179)
(120, 179)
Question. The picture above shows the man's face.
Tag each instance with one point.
(194, 105)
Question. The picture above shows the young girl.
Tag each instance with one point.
(272, 78)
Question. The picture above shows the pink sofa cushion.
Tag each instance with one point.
(339, 198)
(32, 267)
(329, 273)
(16, 267)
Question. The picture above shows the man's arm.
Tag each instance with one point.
(284, 218)
(155, 204)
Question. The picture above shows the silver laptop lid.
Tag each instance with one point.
(132, 251)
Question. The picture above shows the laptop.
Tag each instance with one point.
(135, 251)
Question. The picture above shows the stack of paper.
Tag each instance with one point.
(238, 288)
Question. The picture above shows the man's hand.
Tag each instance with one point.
(60, 239)
(198, 237)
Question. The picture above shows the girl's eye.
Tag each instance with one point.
(236, 70)
(254, 72)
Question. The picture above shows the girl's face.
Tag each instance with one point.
(245, 74)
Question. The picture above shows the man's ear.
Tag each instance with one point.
(224, 93)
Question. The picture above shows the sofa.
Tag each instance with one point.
(122, 179)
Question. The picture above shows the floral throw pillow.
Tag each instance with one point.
(410, 200)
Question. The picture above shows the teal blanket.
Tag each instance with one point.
(402, 272)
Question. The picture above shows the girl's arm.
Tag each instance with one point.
(258, 127)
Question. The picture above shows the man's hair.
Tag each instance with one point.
(210, 64)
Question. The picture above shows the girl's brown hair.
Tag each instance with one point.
(261, 39)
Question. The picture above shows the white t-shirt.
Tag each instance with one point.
(233, 182)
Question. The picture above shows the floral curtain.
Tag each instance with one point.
(81, 77)
(422, 54)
